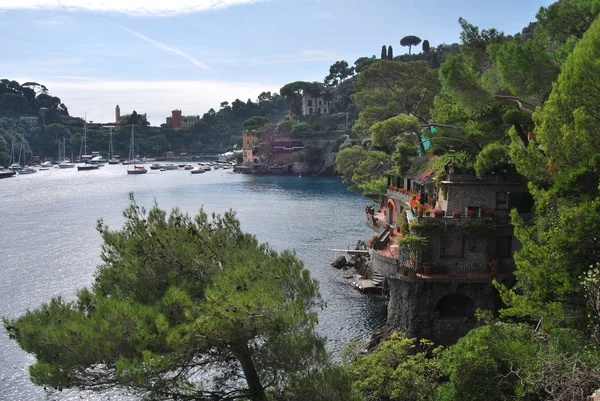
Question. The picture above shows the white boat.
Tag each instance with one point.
(83, 156)
(188, 167)
(17, 166)
(170, 166)
(112, 158)
(136, 169)
(198, 170)
(63, 161)
(155, 166)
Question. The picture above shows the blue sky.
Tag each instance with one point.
(155, 56)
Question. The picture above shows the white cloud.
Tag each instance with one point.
(99, 98)
(132, 7)
(162, 46)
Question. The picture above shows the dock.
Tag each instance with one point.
(351, 251)
(372, 285)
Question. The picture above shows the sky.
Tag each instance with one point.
(154, 56)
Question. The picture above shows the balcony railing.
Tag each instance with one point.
(450, 269)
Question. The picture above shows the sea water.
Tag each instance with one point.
(49, 245)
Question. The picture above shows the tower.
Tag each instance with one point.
(176, 119)
(117, 114)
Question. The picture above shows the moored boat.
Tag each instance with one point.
(136, 169)
(7, 173)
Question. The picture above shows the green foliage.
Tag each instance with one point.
(412, 242)
(410, 41)
(399, 369)
(390, 53)
(513, 362)
(338, 73)
(384, 53)
(386, 133)
(405, 152)
(491, 363)
(426, 46)
(364, 168)
(564, 174)
(180, 307)
(301, 130)
(388, 88)
(494, 158)
(331, 384)
(255, 122)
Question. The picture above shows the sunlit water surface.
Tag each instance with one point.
(49, 245)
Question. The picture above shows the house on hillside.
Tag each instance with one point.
(273, 149)
(315, 105)
(437, 285)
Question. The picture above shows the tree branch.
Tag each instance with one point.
(520, 102)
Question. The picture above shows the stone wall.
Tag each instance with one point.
(383, 265)
(413, 301)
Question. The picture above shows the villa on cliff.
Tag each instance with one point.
(272, 152)
(436, 285)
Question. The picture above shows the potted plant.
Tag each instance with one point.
(456, 214)
(438, 213)
(420, 211)
(427, 211)
(427, 270)
(489, 213)
(471, 213)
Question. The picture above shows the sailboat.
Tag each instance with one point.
(63, 162)
(12, 163)
(111, 153)
(83, 153)
(135, 169)
(26, 169)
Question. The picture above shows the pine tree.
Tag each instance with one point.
(425, 46)
(390, 53)
(383, 53)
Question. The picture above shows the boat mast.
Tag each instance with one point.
(132, 148)
(12, 153)
(83, 148)
(110, 144)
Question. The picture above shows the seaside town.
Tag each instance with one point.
(420, 224)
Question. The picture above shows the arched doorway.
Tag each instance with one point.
(455, 305)
(391, 212)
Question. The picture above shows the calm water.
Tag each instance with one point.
(49, 245)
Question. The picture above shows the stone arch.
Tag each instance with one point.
(392, 209)
(455, 305)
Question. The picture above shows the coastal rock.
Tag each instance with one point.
(339, 262)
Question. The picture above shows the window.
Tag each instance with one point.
(501, 200)
(504, 246)
(320, 102)
(324, 111)
(310, 102)
(319, 110)
(452, 246)
(310, 110)
(473, 211)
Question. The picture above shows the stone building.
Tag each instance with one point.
(435, 289)
(123, 119)
(177, 121)
(315, 105)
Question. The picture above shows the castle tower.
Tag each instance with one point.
(176, 119)
(117, 114)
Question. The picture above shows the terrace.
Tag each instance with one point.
(401, 264)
